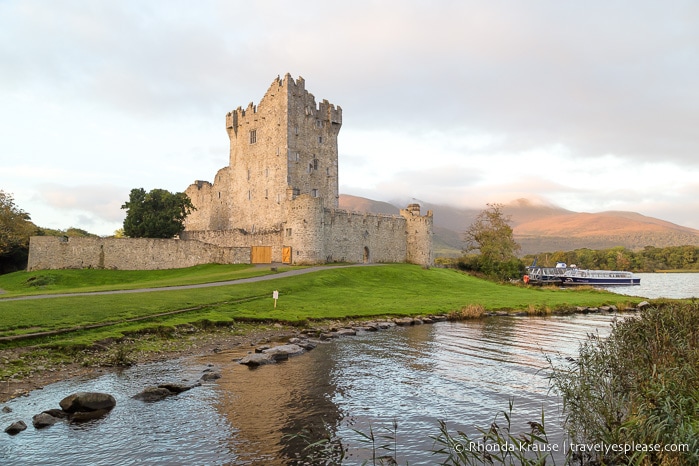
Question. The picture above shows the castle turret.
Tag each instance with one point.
(303, 230)
(419, 231)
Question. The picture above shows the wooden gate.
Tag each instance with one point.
(261, 255)
(286, 255)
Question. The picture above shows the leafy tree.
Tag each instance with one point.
(491, 235)
(156, 214)
(15, 229)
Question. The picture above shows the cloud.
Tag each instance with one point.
(593, 106)
(99, 201)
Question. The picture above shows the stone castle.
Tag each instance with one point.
(276, 201)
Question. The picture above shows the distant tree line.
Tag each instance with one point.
(648, 259)
(492, 251)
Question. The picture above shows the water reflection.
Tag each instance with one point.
(268, 406)
(462, 373)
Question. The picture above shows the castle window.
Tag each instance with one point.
(314, 192)
(315, 164)
(266, 172)
(249, 195)
(279, 198)
(319, 123)
(266, 194)
(327, 171)
(288, 232)
(253, 136)
(320, 139)
(296, 130)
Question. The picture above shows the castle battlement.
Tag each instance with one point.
(292, 89)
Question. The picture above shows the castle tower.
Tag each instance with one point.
(279, 196)
(285, 142)
(419, 230)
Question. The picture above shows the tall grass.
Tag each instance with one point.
(639, 389)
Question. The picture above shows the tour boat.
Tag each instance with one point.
(561, 274)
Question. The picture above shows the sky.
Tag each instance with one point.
(590, 106)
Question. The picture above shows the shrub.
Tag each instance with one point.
(640, 386)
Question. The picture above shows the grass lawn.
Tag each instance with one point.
(397, 289)
(82, 280)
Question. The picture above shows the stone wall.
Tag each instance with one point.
(239, 238)
(56, 252)
(363, 238)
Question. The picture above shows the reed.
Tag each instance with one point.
(639, 386)
(472, 311)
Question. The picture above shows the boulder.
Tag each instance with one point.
(152, 394)
(6, 409)
(256, 359)
(87, 401)
(282, 352)
(343, 332)
(179, 388)
(210, 376)
(15, 428)
(57, 413)
(42, 420)
(642, 305)
(307, 345)
(404, 321)
(82, 416)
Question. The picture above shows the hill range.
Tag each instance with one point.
(544, 228)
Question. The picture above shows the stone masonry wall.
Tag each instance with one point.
(360, 237)
(55, 252)
(240, 239)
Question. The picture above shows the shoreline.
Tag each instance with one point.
(197, 341)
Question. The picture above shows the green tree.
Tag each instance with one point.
(156, 214)
(15, 229)
(492, 237)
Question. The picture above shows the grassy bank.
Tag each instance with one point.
(328, 294)
(332, 293)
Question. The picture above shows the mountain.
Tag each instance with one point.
(540, 227)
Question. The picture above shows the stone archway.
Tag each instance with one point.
(365, 257)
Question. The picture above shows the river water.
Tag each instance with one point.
(463, 373)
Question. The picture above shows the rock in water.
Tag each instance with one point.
(256, 359)
(42, 420)
(16, 427)
(151, 394)
(87, 401)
